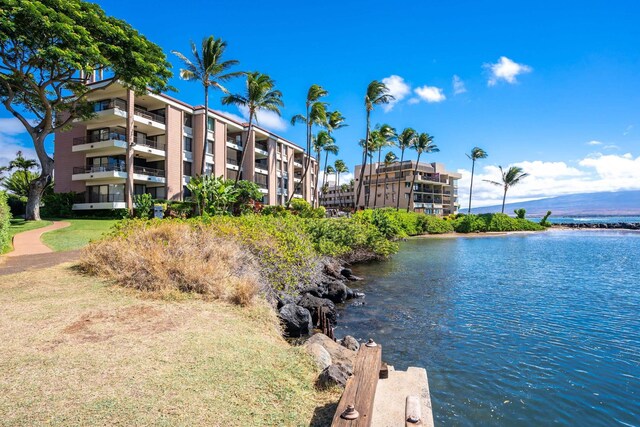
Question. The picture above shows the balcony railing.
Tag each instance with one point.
(143, 170)
(118, 136)
(234, 142)
(105, 198)
(113, 103)
(151, 143)
(148, 115)
(232, 161)
(95, 169)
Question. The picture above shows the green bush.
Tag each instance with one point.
(399, 224)
(303, 209)
(5, 221)
(17, 204)
(545, 220)
(58, 205)
(434, 225)
(497, 222)
(520, 213)
(144, 205)
(275, 210)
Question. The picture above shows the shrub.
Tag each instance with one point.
(144, 206)
(58, 205)
(545, 220)
(17, 204)
(520, 213)
(5, 221)
(434, 225)
(164, 256)
(497, 222)
(275, 210)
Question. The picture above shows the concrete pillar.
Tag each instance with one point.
(129, 157)
(197, 143)
(173, 159)
(220, 149)
(274, 167)
(249, 165)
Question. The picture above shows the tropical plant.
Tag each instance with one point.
(377, 94)
(19, 182)
(48, 52)
(208, 68)
(335, 120)
(388, 137)
(520, 213)
(545, 220)
(316, 114)
(406, 139)
(422, 144)
(144, 205)
(389, 158)
(260, 95)
(476, 153)
(5, 222)
(343, 189)
(509, 178)
(323, 141)
(330, 170)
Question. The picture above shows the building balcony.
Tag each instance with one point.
(262, 169)
(115, 143)
(118, 173)
(231, 143)
(297, 164)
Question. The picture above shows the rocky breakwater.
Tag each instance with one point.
(603, 226)
(316, 303)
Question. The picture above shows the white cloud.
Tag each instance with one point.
(266, 119)
(458, 85)
(9, 145)
(594, 142)
(413, 100)
(611, 147)
(430, 94)
(507, 70)
(398, 88)
(594, 173)
(231, 116)
(627, 131)
(345, 178)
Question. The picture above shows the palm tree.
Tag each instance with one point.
(388, 137)
(423, 144)
(316, 114)
(476, 153)
(377, 94)
(328, 171)
(509, 178)
(389, 158)
(343, 189)
(335, 120)
(260, 95)
(340, 167)
(370, 148)
(208, 68)
(405, 140)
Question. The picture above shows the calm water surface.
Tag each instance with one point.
(539, 329)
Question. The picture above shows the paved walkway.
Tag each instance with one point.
(29, 243)
(30, 253)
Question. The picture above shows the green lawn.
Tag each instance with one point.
(78, 235)
(18, 225)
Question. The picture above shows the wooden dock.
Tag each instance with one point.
(379, 396)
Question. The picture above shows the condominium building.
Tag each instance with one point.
(153, 143)
(337, 196)
(435, 190)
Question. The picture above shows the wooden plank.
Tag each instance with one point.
(361, 388)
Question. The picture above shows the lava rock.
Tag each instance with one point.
(350, 342)
(346, 272)
(338, 353)
(313, 304)
(337, 292)
(296, 320)
(319, 354)
(336, 374)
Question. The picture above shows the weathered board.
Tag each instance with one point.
(361, 388)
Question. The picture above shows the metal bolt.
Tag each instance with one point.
(350, 413)
(371, 343)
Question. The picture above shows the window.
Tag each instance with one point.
(188, 120)
(209, 147)
(188, 144)
(211, 123)
(407, 185)
(208, 168)
(186, 168)
(185, 192)
(231, 174)
(106, 193)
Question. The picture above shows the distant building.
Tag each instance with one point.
(338, 197)
(435, 191)
(153, 143)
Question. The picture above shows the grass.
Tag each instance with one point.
(77, 351)
(78, 235)
(18, 225)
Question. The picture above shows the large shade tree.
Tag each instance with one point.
(260, 95)
(48, 48)
(208, 68)
(476, 153)
(422, 144)
(377, 94)
(510, 177)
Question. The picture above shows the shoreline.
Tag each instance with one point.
(455, 235)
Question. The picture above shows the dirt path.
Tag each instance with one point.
(30, 253)
(28, 243)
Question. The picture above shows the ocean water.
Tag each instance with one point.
(590, 219)
(540, 329)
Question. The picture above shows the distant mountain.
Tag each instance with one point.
(615, 203)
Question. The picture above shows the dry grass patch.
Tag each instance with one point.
(174, 256)
(76, 351)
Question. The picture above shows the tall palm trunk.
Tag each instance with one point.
(504, 197)
(338, 188)
(326, 163)
(364, 164)
(305, 165)
(316, 202)
(413, 183)
(375, 197)
(473, 167)
(203, 164)
(399, 181)
(244, 149)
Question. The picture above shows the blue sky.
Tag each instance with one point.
(550, 86)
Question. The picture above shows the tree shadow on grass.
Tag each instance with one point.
(323, 415)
